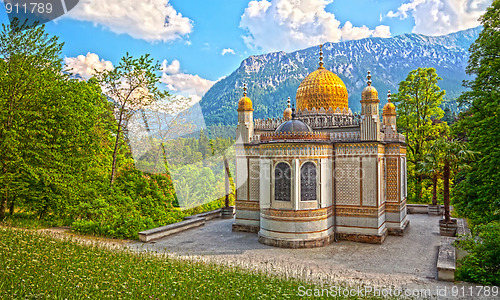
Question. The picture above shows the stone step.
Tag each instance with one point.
(209, 215)
(157, 233)
(446, 262)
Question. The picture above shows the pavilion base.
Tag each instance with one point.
(245, 228)
(363, 238)
(399, 231)
(296, 244)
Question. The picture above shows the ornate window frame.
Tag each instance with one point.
(316, 181)
(275, 183)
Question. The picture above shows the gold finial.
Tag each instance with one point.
(389, 96)
(288, 102)
(369, 77)
(244, 90)
(321, 55)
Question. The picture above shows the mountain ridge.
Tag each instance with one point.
(273, 77)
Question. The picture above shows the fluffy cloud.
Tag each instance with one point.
(150, 20)
(350, 32)
(227, 51)
(187, 85)
(173, 68)
(85, 66)
(294, 24)
(437, 17)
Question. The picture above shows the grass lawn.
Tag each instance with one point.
(37, 266)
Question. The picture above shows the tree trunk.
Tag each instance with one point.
(226, 166)
(419, 187)
(446, 190)
(113, 168)
(3, 206)
(11, 208)
(434, 189)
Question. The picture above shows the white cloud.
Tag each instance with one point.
(227, 51)
(85, 66)
(150, 20)
(437, 17)
(294, 24)
(173, 68)
(187, 85)
(382, 31)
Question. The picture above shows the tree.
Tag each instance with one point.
(47, 125)
(26, 55)
(454, 156)
(132, 86)
(417, 105)
(478, 196)
(432, 167)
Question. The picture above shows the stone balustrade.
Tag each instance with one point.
(346, 136)
(316, 121)
(394, 137)
(303, 136)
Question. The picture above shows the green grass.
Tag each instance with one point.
(28, 220)
(36, 266)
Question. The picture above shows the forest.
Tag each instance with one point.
(71, 154)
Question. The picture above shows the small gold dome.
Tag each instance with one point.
(389, 108)
(369, 92)
(287, 114)
(321, 88)
(245, 103)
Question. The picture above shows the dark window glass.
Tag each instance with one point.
(308, 182)
(282, 182)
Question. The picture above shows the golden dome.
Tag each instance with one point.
(287, 114)
(369, 92)
(389, 108)
(245, 103)
(321, 88)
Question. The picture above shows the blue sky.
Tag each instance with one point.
(191, 43)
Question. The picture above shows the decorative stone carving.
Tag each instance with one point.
(369, 181)
(347, 176)
(392, 179)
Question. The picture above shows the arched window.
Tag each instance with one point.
(308, 182)
(282, 182)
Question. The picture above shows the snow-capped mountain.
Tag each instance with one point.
(272, 78)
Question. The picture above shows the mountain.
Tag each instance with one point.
(273, 77)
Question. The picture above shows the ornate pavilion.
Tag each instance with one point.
(321, 173)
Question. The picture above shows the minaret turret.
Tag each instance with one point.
(245, 127)
(370, 124)
(287, 114)
(389, 115)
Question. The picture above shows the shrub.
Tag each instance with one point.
(482, 263)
